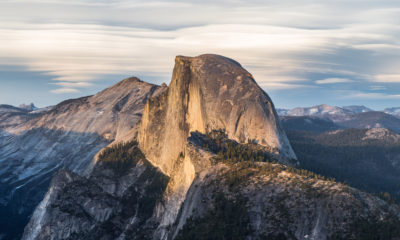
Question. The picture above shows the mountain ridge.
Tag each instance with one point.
(69, 135)
(352, 117)
(321, 109)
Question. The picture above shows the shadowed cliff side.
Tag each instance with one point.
(34, 146)
(115, 202)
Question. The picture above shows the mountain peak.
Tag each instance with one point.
(381, 134)
(128, 86)
(127, 83)
(357, 108)
(28, 107)
(207, 58)
(210, 92)
(132, 79)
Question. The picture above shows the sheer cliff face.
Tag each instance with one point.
(206, 93)
(210, 92)
(34, 146)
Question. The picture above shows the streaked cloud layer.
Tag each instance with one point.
(301, 52)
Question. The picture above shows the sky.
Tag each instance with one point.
(301, 52)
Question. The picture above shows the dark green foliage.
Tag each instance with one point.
(245, 156)
(142, 203)
(141, 197)
(138, 200)
(387, 197)
(309, 174)
(364, 164)
(153, 192)
(229, 151)
(373, 228)
(245, 170)
(236, 178)
(227, 220)
(121, 157)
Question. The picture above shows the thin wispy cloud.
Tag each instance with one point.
(65, 90)
(389, 78)
(281, 86)
(285, 45)
(375, 88)
(375, 95)
(333, 80)
(73, 84)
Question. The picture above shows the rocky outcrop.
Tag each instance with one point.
(268, 201)
(110, 204)
(33, 146)
(382, 134)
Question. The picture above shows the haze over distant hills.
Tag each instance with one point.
(324, 109)
(353, 143)
(344, 117)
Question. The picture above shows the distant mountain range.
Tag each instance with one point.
(23, 108)
(332, 117)
(324, 109)
(353, 144)
(394, 111)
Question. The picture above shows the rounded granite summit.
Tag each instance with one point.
(210, 92)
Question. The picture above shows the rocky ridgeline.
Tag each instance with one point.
(33, 146)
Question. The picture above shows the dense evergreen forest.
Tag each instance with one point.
(367, 164)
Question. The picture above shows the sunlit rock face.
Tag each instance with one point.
(33, 146)
(207, 92)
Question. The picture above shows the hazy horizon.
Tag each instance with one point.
(302, 53)
(276, 106)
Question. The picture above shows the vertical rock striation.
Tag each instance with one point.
(210, 92)
(207, 92)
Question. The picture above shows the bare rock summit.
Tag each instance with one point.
(210, 92)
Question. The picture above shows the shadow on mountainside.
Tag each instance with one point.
(28, 162)
(370, 165)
